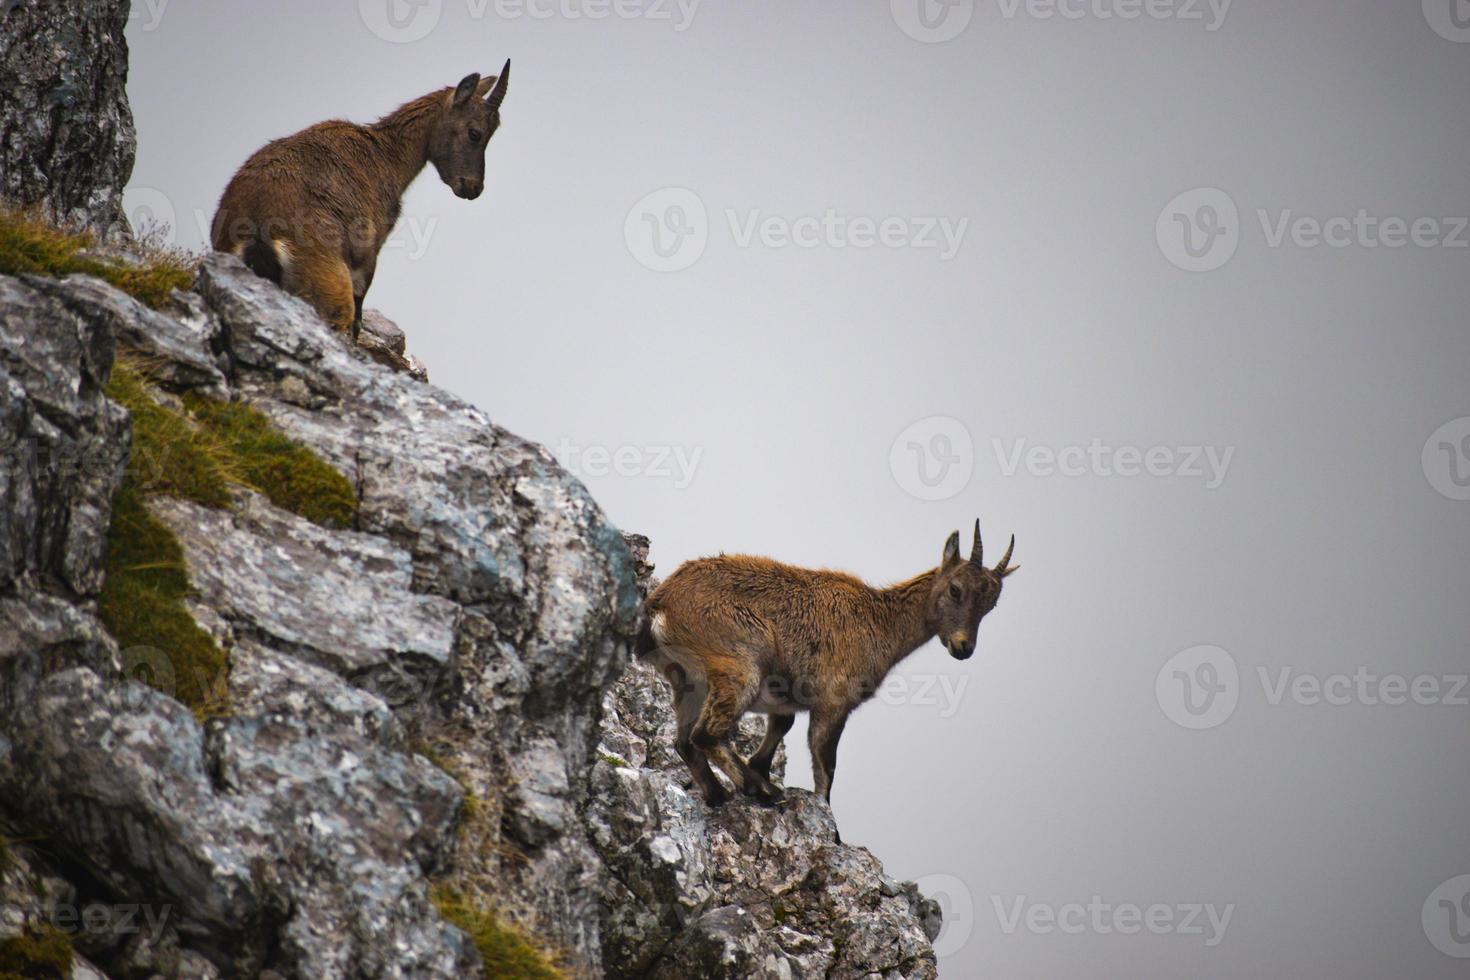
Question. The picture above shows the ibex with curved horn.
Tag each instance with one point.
(737, 633)
(310, 212)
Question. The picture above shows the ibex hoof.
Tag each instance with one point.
(767, 793)
(716, 795)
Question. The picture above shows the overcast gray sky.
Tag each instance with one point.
(1174, 291)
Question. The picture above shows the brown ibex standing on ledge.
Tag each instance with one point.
(311, 211)
(736, 633)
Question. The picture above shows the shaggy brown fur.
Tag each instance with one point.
(738, 633)
(311, 211)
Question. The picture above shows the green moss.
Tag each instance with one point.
(42, 954)
(292, 476)
(507, 953)
(171, 453)
(29, 245)
(615, 760)
(142, 608)
(196, 454)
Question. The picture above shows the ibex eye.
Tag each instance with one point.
(475, 135)
(954, 591)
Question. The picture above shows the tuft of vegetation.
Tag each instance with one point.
(195, 453)
(616, 761)
(292, 476)
(30, 245)
(42, 954)
(507, 953)
(171, 454)
(142, 607)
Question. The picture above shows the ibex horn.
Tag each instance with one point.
(497, 94)
(977, 550)
(1005, 563)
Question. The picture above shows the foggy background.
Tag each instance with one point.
(849, 402)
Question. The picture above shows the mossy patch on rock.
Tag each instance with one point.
(32, 246)
(198, 453)
(292, 476)
(507, 953)
(142, 607)
(43, 954)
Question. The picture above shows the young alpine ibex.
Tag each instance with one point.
(311, 211)
(736, 633)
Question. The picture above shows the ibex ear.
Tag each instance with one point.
(466, 88)
(497, 94)
(1008, 570)
(952, 549)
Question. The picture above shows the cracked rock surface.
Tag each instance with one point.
(437, 697)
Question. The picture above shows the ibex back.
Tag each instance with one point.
(736, 633)
(311, 211)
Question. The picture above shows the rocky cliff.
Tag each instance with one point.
(421, 750)
(66, 131)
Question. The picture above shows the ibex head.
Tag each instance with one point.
(457, 142)
(964, 591)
